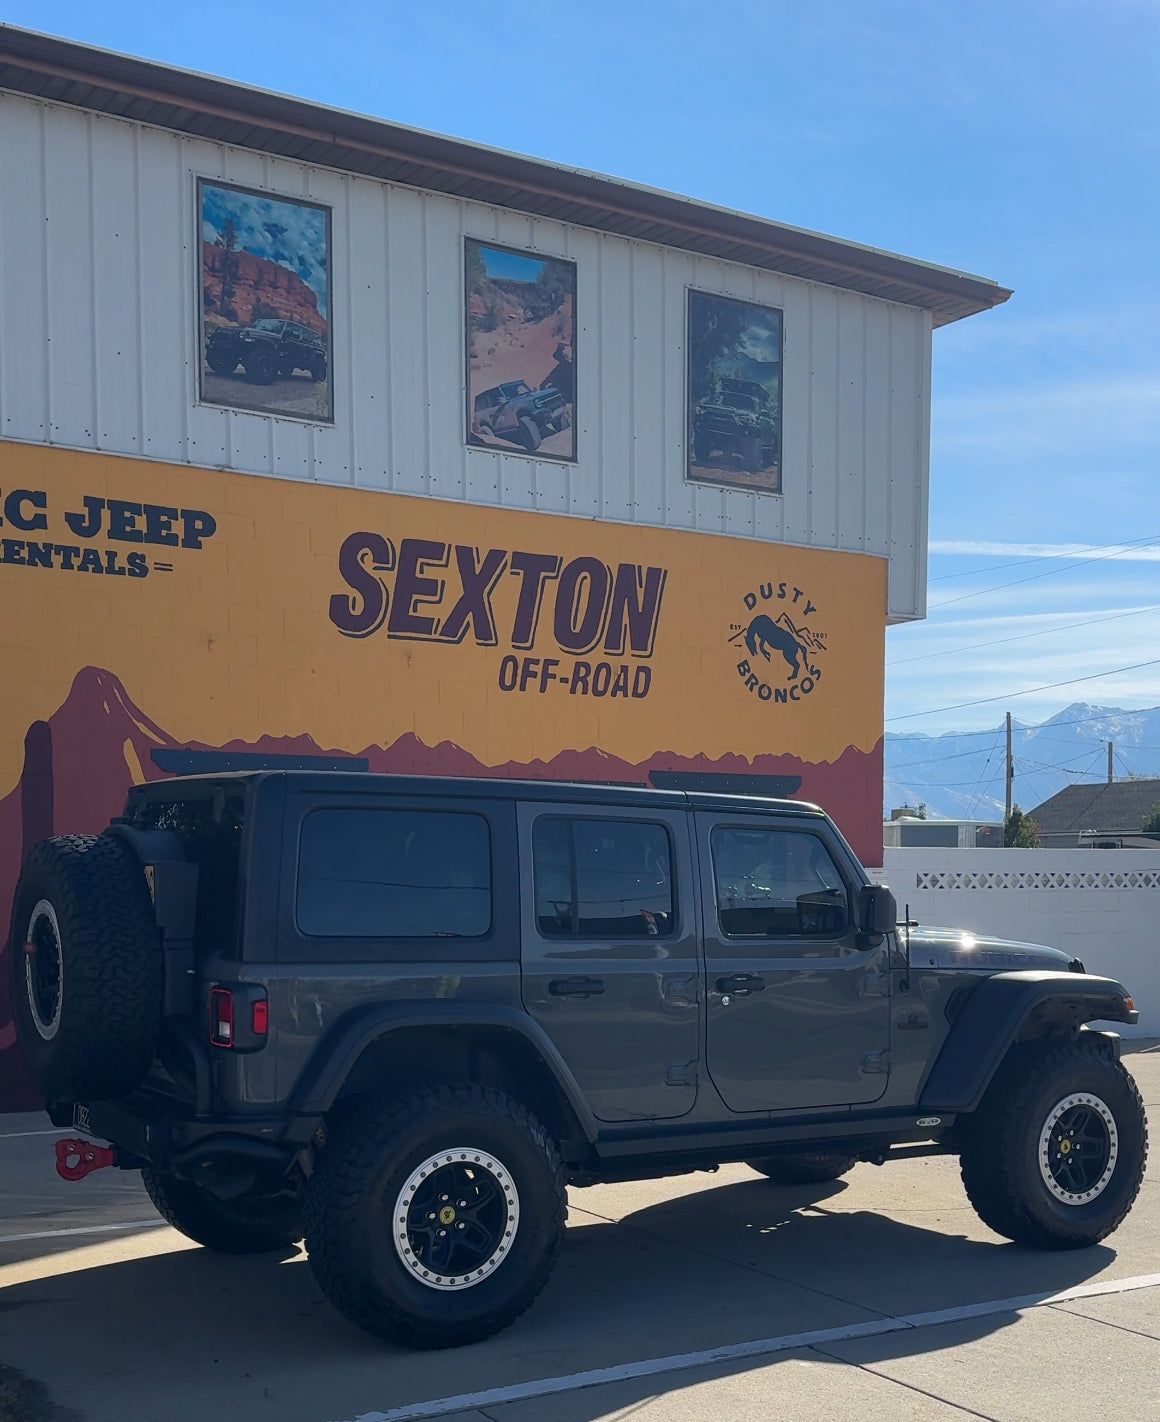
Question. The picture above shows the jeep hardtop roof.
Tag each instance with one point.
(479, 787)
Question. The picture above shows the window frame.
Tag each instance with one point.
(675, 926)
(734, 939)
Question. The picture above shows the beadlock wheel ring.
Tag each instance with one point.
(1078, 1148)
(463, 1189)
(44, 970)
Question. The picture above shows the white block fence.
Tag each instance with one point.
(1101, 905)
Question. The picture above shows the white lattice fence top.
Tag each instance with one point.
(1038, 879)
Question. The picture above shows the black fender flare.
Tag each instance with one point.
(336, 1055)
(998, 1013)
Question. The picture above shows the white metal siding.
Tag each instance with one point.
(98, 290)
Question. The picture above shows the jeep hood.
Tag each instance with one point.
(956, 948)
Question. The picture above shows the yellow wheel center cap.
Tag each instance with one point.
(446, 1214)
(1065, 1147)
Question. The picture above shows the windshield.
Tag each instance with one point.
(267, 325)
(512, 388)
(739, 402)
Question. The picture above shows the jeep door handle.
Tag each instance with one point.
(741, 984)
(576, 987)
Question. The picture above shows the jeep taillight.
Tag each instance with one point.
(239, 1017)
(221, 1017)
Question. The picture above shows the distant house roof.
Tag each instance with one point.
(1111, 809)
(221, 111)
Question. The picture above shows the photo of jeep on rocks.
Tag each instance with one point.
(520, 373)
(264, 300)
(734, 392)
(739, 422)
(266, 350)
(516, 412)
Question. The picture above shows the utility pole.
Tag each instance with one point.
(1010, 770)
(1110, 777)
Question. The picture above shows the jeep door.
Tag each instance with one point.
(609, 952)
(797, 1001)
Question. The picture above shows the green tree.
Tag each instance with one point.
(1020, 831)
(1150, 824)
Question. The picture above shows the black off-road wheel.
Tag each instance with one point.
(86, 968)
(222, 362)
(803, 1169)
(261, 367)
(434, 1219)
(318, 369)
(250, 1224)
(702, 449)
(1055, 1154)
(528, 434)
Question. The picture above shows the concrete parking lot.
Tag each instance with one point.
(719, 1296)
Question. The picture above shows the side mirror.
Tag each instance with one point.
(877, 910)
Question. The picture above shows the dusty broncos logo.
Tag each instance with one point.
(782, 637)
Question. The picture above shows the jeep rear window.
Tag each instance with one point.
(394, 873)
(209, 830)
(602, 879)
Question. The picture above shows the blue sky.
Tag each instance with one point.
(509, 266)
(1017, 140)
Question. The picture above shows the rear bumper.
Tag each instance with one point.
(149, 1129)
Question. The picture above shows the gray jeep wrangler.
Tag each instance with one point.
(397, 1016)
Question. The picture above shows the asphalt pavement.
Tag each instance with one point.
(709, 1296)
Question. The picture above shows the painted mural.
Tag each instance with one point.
(164, 619)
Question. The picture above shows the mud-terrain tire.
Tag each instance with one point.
(246, 1225)
(528, 434)
(261, 367)
(702, 448)
(473, 1150)
(813, 1169)
(87, 1002)
(318, 369)
(751, 455)
(1050, 1112)
(222, 362)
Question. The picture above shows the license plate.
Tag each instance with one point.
(81, 1121)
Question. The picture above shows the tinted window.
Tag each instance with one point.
(602, 879)
(775, 884)
(394, 874)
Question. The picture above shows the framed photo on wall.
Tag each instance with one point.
(734, 351)
(264, 302)
(520, 341)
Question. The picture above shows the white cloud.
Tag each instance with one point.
(989, 548)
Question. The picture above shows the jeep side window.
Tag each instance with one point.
(776, 884)
(394, 873)
(602, 879)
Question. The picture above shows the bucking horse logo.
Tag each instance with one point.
(794, 643)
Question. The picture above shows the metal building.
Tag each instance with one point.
(558, 475)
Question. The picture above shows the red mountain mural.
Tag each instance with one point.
(257, 287)
(79, 764)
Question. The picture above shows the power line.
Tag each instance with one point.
(1021, 562)
(1023, 636)
(1052, 572)
(1030, 691)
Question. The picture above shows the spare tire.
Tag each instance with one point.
(87, 969)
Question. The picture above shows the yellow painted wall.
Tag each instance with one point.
(237, 640)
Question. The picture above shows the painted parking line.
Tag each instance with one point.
(760, 1347)
(23, 1135)
(155, 1223)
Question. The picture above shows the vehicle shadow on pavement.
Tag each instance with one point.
(718, 1266)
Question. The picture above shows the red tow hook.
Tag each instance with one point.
(77, 1158)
